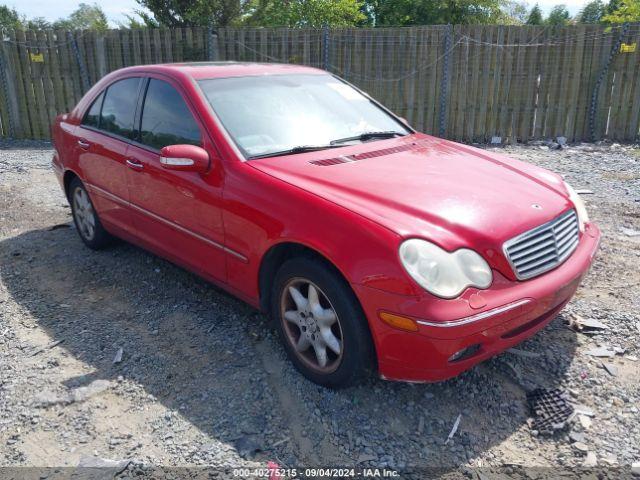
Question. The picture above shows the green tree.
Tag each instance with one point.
(143, 20)
(9, 18)
(612, 6)
(430, 12)
(37, 23)
(514, 13)
(189, 13)
(592, 12)
(626, 11)
(559, 15)
(307, 13)
(535, 16)
(85, 17)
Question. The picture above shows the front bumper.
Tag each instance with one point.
(492, 320)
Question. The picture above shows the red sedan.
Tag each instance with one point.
(373, 247)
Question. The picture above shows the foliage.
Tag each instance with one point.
(626, 11)
(190, 13)
(612, 6)
(144, 21)
(535, 16)
(306, 13)
(85, 17)
(514, 13)
(430, 12)
(9, 17)
(592, 12)
(36, 23)
(559, 15)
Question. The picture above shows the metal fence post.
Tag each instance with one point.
(593, 108)
(84, 76)
(325, 46)
(444, 87)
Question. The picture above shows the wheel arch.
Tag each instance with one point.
(279, 253)
(68, 177)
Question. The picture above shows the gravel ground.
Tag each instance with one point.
(203, 381)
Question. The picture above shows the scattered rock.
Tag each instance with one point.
(590, 460)
(610, 368)
(364, 457)
(585, 421)
(601, 352)
(630, 232)
(118, 356)
(576, 437)
(585, 325)
(116, 466)
(580, 446)
(454, 429)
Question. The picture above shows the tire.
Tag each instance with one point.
(304, 328)
(87, 222)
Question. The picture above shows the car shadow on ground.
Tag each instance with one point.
(215, 361)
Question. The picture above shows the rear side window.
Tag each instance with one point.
(166, 119)
(92, 117)
(119, 107)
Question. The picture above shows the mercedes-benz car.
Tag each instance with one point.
(373, 247)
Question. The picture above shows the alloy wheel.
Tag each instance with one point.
(83, 213)
(311, 325)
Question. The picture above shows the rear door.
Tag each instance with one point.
(177, 213)
(102, 142)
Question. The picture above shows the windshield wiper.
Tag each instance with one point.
(294, 150)
(368, 136)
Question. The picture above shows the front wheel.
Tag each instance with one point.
(321, 324)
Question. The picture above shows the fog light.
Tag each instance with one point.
(398, 321)
(464, 353)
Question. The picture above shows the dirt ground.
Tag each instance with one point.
(203, 381)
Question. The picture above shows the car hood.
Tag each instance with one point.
(422, 186)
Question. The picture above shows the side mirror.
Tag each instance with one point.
(187, 158)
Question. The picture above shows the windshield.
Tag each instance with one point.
(279, 113)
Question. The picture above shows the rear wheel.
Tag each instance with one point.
(91, 231)
(321, 324)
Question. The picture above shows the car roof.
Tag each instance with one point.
(206, 70)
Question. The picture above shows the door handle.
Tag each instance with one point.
(134, 164)
(84, 144)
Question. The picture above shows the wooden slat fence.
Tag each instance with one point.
(468, 83)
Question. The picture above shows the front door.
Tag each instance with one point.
(176, 213)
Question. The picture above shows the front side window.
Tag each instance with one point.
(166, 119)
(92, 117)
(119, 107)
(274, 113)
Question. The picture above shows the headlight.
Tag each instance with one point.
(581, 210)
(442, 273)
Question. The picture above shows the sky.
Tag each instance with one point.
(117, 9)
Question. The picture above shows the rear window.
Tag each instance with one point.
(119, 107)
(92, 117)
(166, 119)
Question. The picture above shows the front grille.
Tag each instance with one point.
(543, 248)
